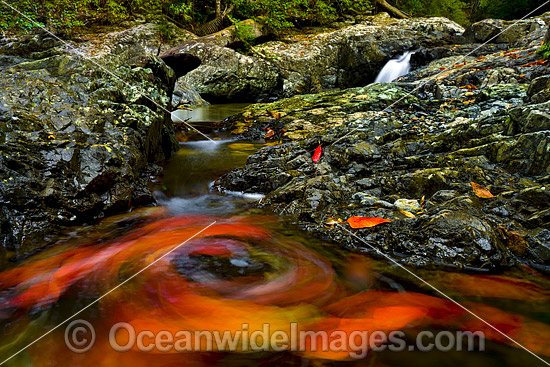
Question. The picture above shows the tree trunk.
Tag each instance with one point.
(391, 9)
(547, 36)
(218, 8)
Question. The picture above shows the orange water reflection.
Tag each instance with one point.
(236, 272)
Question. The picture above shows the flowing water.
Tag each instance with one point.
(243, 269)
(395, 68)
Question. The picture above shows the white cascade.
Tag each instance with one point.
(395, 68)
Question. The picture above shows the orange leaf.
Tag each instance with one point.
(365, 222)
(269, 134)
(274, 114)
(481, 191)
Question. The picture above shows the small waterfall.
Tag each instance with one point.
(395, 68)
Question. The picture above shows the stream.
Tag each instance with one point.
(212, 262)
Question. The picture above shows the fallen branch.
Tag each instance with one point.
(391, 9)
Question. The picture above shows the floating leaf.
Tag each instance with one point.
(481, 191)
(365, 222)
(317, 154)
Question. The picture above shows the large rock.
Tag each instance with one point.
(77, 138)
(351, 56)
(131, 43)
(539, 90)
(501, 31)
(226, 75)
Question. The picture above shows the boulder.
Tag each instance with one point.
(226, 75)
(539, 89)
(78, 137)
(501, 31)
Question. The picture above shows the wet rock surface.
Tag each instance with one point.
(318, 60)
(353, 55)
(76, 141)
(408, 151)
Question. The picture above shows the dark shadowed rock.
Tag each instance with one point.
(181, 63)
(78, 143)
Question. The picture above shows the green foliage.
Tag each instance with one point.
(467, 11)
(544, 51)
(274, 14)
(456, 10)
(505, 9)
(278, 14)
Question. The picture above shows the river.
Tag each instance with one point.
(213, 263)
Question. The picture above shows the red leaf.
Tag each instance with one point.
(317, 154)
(364, 222)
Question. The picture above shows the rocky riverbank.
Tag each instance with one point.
(408, 151)
(309, 60)
(78, 143)
(81, 126)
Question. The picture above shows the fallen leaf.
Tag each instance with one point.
(469, 87)
(538, 62)
(481, 191)
(317, 154)
(514, 240)
(365, 222)
(274, 114)
(407, 214)
(269, 134)
(336, 220)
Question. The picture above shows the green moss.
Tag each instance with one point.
(544, 51)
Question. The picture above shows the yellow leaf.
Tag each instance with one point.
(407, 214)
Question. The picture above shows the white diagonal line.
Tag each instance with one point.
(438, 74)
(443, 294)
(103, 68)
(110, 291)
